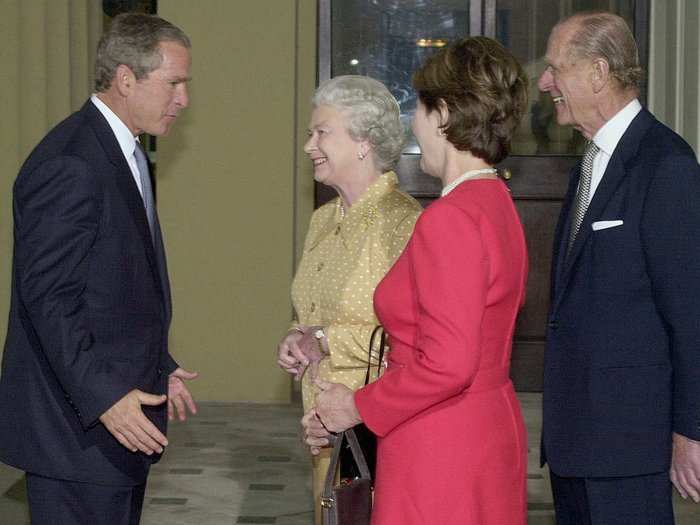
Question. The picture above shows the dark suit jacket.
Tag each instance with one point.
(622, 361)
(90, 308)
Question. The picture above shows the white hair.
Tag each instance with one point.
(372, 111)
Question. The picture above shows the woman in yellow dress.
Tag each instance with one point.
(355, 140)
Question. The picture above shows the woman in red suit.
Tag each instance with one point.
(451, 440)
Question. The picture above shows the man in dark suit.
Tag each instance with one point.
(86, 366)
(622, 363)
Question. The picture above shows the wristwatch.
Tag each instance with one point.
(319, 335)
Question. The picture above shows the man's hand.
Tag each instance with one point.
(315, 434)
(127, 423)
(335, 406)
(179, 396)
(685, 467)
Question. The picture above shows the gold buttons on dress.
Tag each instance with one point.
(313, 307)
(337, 229)
(319, 267)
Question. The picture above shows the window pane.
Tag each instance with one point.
(523, 26)
(389, 39)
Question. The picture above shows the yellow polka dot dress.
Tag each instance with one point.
(343, 261)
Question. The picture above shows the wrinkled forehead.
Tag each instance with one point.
(558, 43)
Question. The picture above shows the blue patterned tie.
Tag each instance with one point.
(584, 191)
(146, 189)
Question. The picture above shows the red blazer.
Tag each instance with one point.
(451, 436)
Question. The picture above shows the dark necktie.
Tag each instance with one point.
(146, 189)
(584, 191)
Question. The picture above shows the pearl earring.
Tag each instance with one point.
(361, 156)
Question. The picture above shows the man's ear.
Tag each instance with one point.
(600, 74)
(124, 80)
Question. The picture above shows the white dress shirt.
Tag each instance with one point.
(127, 142)
(607, 138)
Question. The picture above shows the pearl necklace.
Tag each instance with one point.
(341, 209)
(466, 176)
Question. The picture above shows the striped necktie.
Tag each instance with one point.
(584, 190)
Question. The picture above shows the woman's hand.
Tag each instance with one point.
(300, 349)
(335, 406)
(315, 434)
(290, 358)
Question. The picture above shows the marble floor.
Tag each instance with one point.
(243, 463)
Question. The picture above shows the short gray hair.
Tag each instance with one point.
(607, 36)
(372, 111)
(132, 39)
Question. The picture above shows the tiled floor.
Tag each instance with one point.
(243, 463)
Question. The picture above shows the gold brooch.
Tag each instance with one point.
(369, 215)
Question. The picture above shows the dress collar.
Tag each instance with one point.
(361, 215)
(368, 201)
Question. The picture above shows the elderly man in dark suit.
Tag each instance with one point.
(622, 363)
(86, 366)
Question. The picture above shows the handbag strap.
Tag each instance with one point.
(359, 457)
(382, 345)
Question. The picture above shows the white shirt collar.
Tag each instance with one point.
(127, 142)
(610, 134)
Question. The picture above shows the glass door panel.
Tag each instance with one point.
(389, 39)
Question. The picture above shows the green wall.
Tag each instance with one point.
(234, 191)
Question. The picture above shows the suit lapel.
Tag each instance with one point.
(615, 172)
(561, 235)
(163, 270)
(126, 184)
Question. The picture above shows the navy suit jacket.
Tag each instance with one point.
(622, 360)
(90, 308)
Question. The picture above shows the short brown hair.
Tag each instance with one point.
(132, 39)
(606, 35)
(484, 89)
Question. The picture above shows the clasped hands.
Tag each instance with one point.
(300, 350)
(126, 421)
(334, 411)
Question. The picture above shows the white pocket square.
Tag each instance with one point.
(603, 225)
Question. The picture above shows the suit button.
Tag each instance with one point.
(160, 371)
(553, 325)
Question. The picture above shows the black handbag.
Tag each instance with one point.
(365, 437)
(350, 502)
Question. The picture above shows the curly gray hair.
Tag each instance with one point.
(372, 111)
